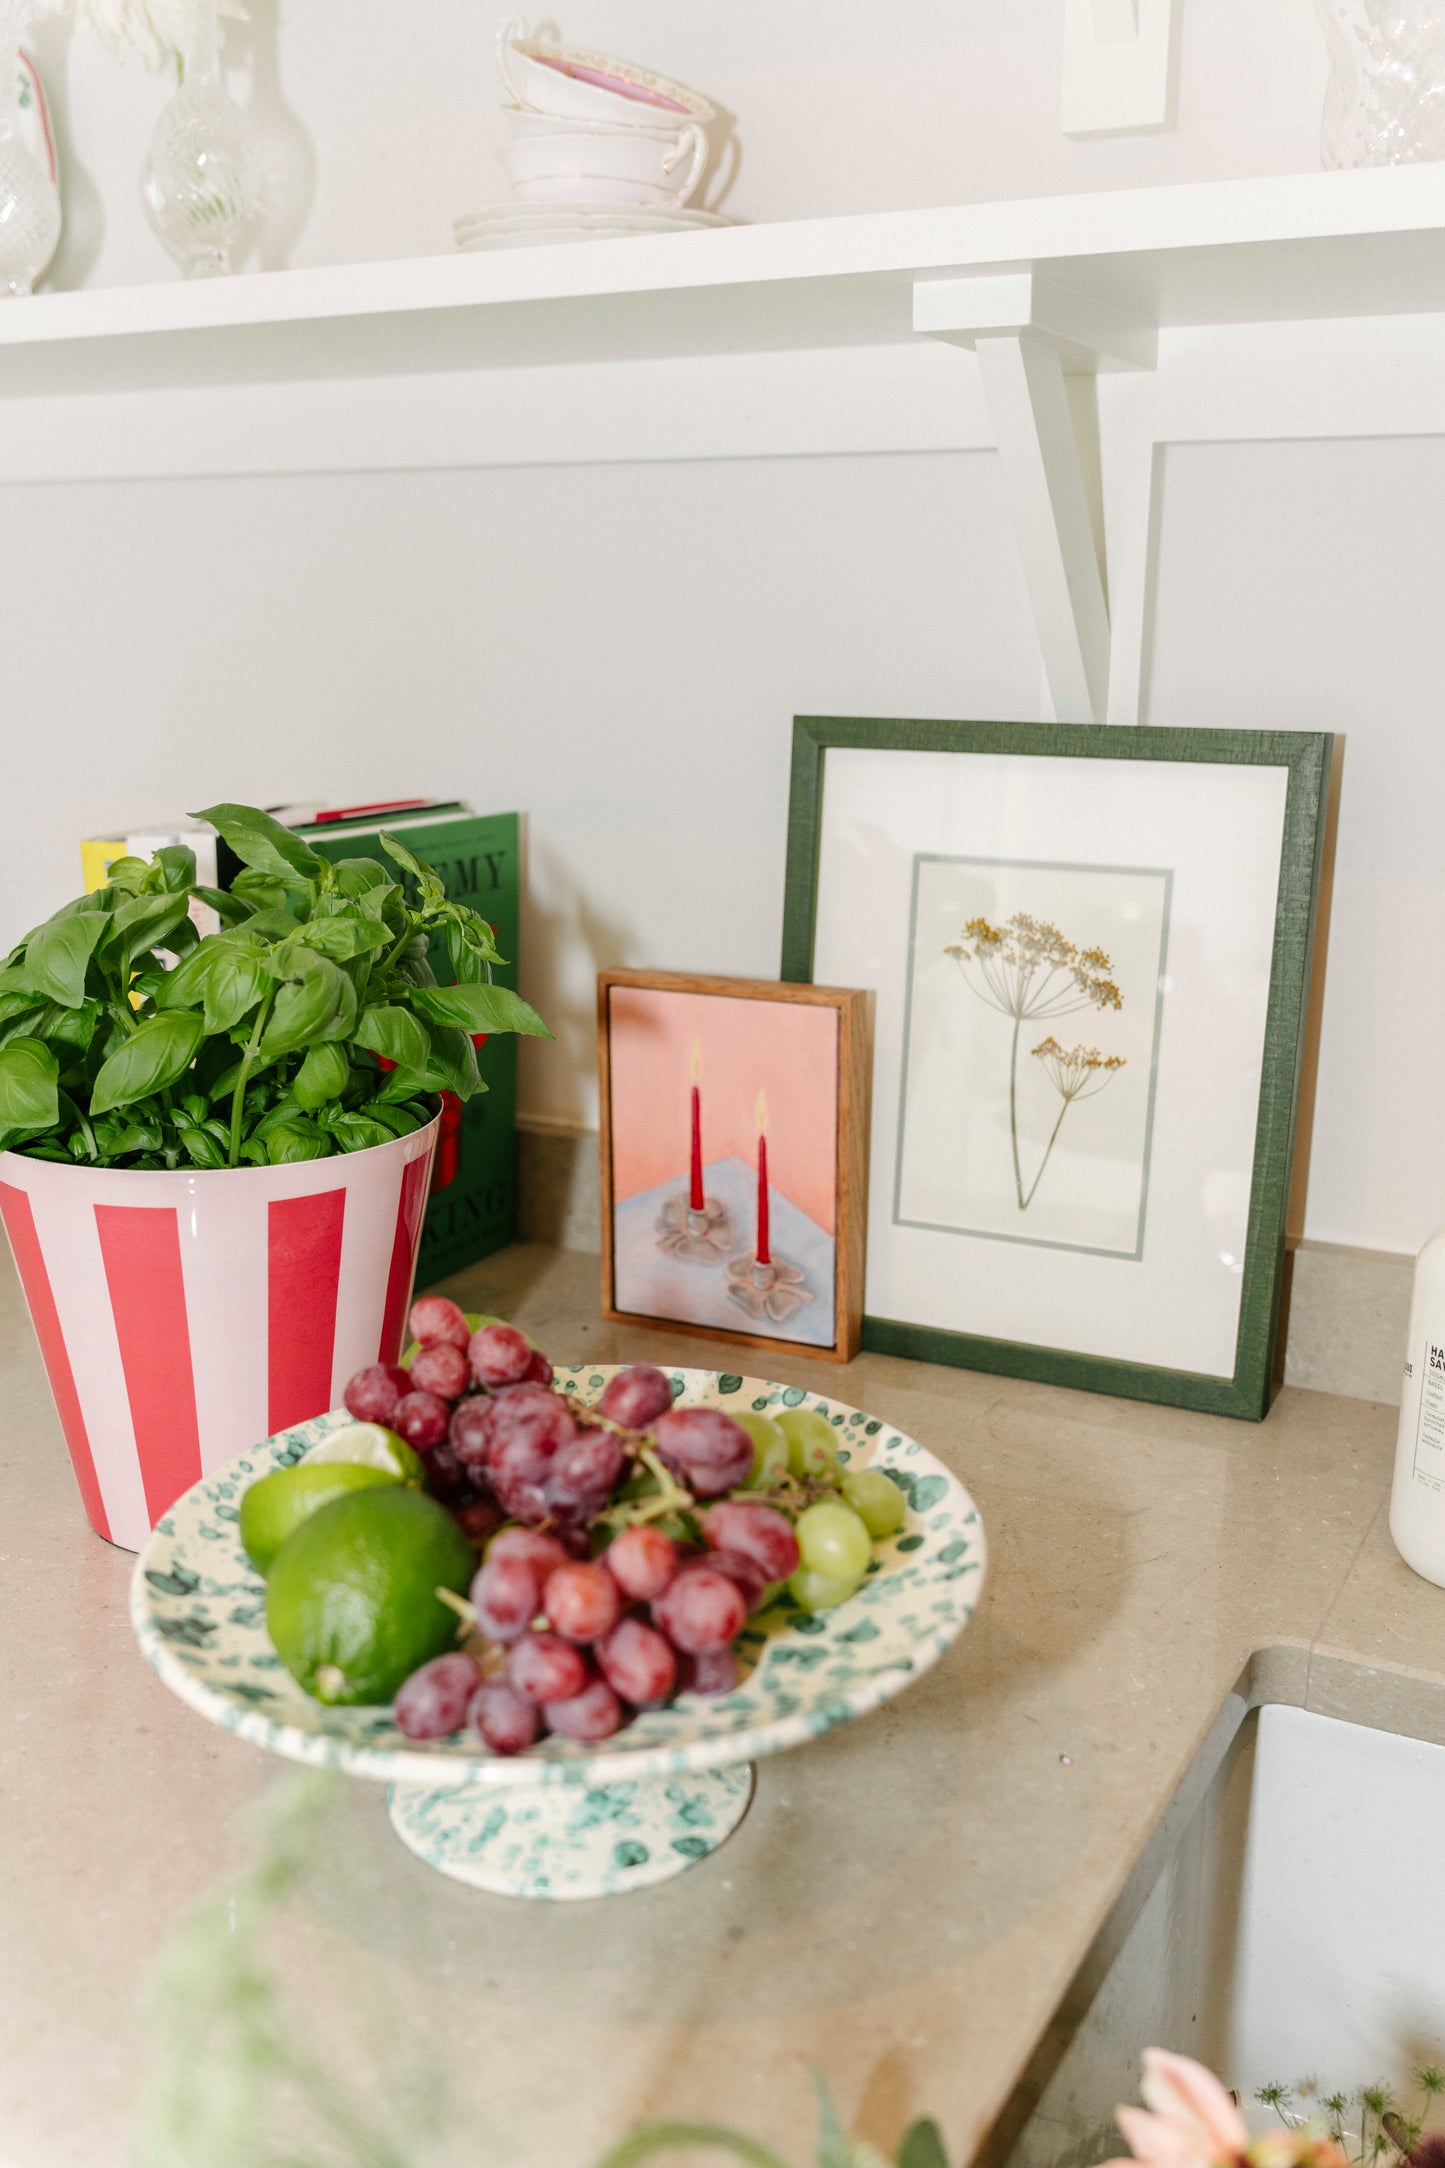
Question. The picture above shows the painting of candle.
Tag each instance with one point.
(722, 1155)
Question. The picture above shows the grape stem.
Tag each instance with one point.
(464, 1610)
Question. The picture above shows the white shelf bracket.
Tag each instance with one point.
(1026, 330)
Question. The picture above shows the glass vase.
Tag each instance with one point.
(29, 200)
(200, 184)
(1385, 105)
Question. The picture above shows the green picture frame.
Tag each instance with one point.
(1306, 757)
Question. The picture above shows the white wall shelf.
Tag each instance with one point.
(1311, 246)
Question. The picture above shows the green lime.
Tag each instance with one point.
(352, 1604)
(279, 1503)
(367, 1445)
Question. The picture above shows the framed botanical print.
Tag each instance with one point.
(1090, 954)
(734, 1168)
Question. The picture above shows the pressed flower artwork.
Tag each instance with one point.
(1034, 1007)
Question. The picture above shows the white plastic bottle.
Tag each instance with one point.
(1417, 1497)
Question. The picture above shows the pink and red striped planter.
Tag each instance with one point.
(183, 1317)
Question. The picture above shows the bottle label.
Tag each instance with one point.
(1429, 1466)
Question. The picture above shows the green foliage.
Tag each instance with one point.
(264, 1042)
(1371, 2125)
(922, 2146)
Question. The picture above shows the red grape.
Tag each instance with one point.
(707, 1448)
(433, 1317)
(703, 1609)
(642, 1561)
(712, 1671)
(507, 1598)
(478, 1519)
(527, 1428)
(503, 1718)
(433, 1701)
(544, 1667)
(544, 1554)
(746, 1575)
(499, 1355)
(759, 1532)
(593, 1714)
(374, 1392)
(638, 1663)
(422, 1419)
(581, 1601)
(582, 1475)
(635, 1397)
(469, 1432)
(538, 1371)
(442, 1369)
(446, 1478)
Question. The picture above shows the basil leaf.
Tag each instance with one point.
(318, 1001)
(466, 963)
(429, 881)
(229, 908)
(355, 876)
(177, 862)
(19, 1001)
(156, 1055)
(396, 1035)
(345, 937)
(29, 1090)
(202, 1145)
(59, 952)
(142, 922)
(295, 1140)
(324, 1075)
(359, 1132)
(263, 843)
(479, 1008)
(128, 875)
(72, 1028)
(261, 890)
(453, 1063)
(236, 981)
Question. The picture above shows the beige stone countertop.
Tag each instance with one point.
(911, 1902)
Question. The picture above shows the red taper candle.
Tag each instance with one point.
(764, 1244)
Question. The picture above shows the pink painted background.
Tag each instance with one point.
(788, 1049)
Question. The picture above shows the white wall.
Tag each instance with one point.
(381, 122)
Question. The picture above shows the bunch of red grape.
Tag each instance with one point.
(588, 1608)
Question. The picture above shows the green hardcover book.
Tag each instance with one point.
(473, 1207)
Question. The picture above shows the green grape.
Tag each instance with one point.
(877, 1502)
(818, 1591)
(812, 1443)
(832, 1540)
(770, 1450)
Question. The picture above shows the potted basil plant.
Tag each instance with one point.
(214, 1150)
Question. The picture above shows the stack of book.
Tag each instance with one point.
(473, 1207)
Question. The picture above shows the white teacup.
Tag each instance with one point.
(571, 82)
(605, 165)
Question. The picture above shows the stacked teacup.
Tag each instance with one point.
(595, 146)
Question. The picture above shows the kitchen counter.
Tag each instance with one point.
(914, 1903)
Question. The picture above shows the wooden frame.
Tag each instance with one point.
(851, 1149)
(1306, 756)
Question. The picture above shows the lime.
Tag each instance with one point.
(351, 1605)
(368, 1445)
(279, 1503)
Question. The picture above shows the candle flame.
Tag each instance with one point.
(760, 1112)
(694, 1065)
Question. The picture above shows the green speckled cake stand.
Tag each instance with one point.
(561, 1820)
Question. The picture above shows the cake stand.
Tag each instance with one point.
(562, 1820)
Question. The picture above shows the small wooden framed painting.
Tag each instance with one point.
(1090, 953)
(734, 1157)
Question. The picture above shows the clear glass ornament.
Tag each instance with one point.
(29, 199)
(1385, 105)
(200, 183)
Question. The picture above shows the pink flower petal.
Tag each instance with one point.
(1160, 2139)
(1182, 2090)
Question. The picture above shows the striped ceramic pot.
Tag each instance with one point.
(182, 1317)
